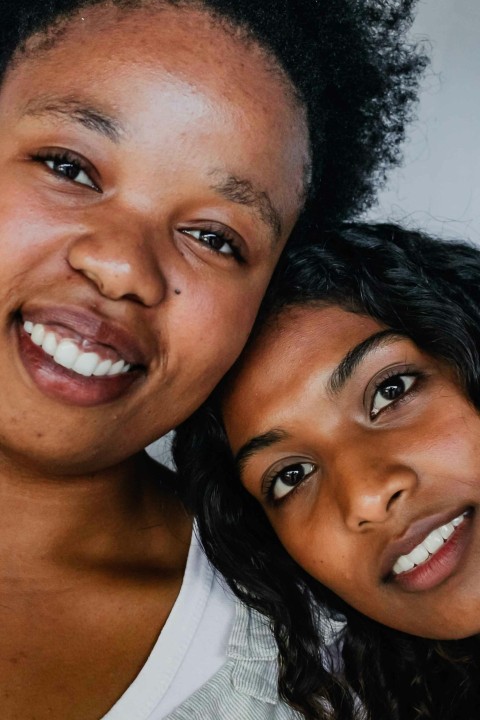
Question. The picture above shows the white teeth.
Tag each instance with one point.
(86, 363)
(428, 547)
(418, 554)
(403, 564)
(67, 353)
(103, 368)
(38, 333)
(117, 368)
(49, 344)
(446, 530)
(433, 542)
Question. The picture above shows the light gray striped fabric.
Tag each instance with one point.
(245, 688)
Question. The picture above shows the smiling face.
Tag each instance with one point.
(144, 201)
(365, 457)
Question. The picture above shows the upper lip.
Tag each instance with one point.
(415, 533)
(92, 326)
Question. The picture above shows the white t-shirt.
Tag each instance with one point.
(190, 649)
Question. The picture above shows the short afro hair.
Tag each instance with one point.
(349, 60)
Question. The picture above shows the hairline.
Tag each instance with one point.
(52, 35)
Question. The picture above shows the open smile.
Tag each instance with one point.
(77, 358)
(71, 353)
(428, 547)
(436, 557)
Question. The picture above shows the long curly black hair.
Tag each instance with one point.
(430, 291)
(349, 61)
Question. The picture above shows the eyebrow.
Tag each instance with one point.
(76, 110)
(243, 192)
(348, 365)
(255, 445)
(338, 378)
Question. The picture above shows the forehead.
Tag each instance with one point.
(186, 43)
(222, 87)
(303, 335)
(292, 353)
(178, 36)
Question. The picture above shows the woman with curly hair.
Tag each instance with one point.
(155, 156)
(352, 482)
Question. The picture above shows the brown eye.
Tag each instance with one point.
(216, 241)
(71, 170)
(67, 165)
(391, 390)
(289, 478)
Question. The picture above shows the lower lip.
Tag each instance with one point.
(61, 384)
(440, 566)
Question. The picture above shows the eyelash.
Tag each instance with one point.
(418, 376)
(270, 482)
(224, 236)
(66, 157)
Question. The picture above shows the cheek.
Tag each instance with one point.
(27, 227)
(317, 543)
(313, 542)
(216, 318)
(204, 332)
(33, 259)
(451, 445)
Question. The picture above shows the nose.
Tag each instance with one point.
(371, 488)
(120, 262)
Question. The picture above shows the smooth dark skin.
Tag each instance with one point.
(373, 477)
(92, 551)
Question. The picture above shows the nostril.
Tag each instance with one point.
(394, 497)
(133, 297)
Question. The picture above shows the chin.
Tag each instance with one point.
(456, 633)
(450, 629)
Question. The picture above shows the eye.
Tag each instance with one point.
(289, 477)
(217, 241)
(389, 391)
(69, 166)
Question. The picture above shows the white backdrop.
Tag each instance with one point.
(438, 186)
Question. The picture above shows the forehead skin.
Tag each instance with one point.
(293, 353)
(196, 59)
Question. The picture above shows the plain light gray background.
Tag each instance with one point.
(438, 186)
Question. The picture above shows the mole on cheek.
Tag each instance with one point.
(177, 291)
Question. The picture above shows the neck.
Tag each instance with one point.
(96, 520)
